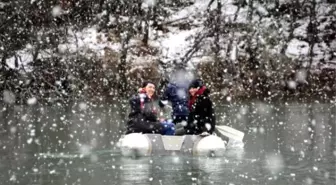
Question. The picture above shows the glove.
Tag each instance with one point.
(169, 127)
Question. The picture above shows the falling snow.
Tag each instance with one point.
(69, 68)
(56, 11)
(8, 97)
(32, 101)
(274, 163)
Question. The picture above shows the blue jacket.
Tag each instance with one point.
(178, 96)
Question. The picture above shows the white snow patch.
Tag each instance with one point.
(148, 3)
(21, 58)
(140, 62)
(297, 48)
(197, 8)
(89, 39)
(262, 10)
(176, 44)
(301, 30)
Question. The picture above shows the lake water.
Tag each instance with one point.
(290, 143)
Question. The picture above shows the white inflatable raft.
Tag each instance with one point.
(138, 145)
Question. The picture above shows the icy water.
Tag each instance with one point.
(284, 144)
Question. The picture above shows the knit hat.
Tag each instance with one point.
(196, 83)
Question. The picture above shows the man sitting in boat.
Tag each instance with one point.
(201, 119)
(176, 92)
(143, 116)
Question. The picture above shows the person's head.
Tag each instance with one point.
(181, 77)
(149, 88)
(194, 86)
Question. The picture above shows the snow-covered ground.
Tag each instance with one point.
(175, 44)
(22, 57)
(85, 41)
(297, 48)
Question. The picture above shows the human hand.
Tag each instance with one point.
(162, 120)
(141, 90)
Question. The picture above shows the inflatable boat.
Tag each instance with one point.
(138, 145)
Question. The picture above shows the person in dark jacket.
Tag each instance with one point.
(143, 116)
(201, 119)
(177, 94)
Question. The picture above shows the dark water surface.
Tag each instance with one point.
(284, 144)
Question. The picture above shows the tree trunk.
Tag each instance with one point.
(294, 10)
(252, 63)
(229, 47)
(146, 29)
(312, 31)
(123, 61)
(217, 30)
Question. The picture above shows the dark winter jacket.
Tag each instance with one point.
(143, 116)
(178, 96)
(202, 116)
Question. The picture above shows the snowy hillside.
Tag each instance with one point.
(239, 35)
(174, 44)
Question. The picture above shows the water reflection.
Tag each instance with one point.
(284, 144)
(136, 171)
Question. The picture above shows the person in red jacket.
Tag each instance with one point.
(201, 119)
